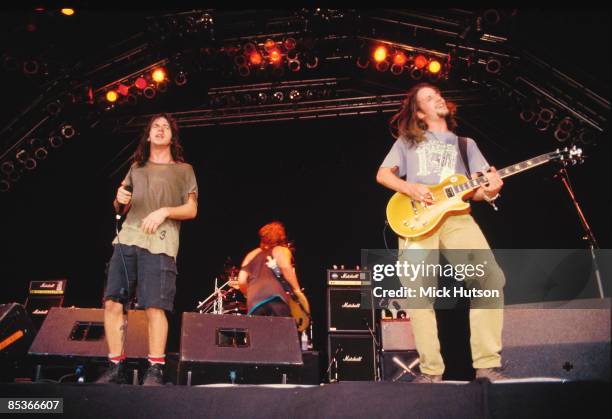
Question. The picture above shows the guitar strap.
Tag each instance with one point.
(463, 153)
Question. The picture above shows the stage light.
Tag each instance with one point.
(54, 108)
(289, 44)
(158, 75)
(68, 131)
(132, 99)
(7, 167)
(141, 83)
(30, 67)
(294, 65)
(416, 73)
(149, 92)
(399, 58)
(566, 124)
(66, 11)
(243, 70)
(262, 97)
(546, 115)
(180, 79)
(380, 54)
(420, 61)
(111, 96)
(278, 96)
(312, 61)
(275, 55)
(123, 90)
(255, 58)
(434, 67)
(269, 44)
(561, 135)
(55, 141)
(491, 17)
(24, 158)
(493, 66)
(40, 152)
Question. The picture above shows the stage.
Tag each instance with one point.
(477, 399)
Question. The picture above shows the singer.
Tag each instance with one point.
(158, 192)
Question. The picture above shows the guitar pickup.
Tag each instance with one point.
(449, 191)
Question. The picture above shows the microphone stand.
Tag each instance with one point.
(589, 236)
(377, 357)
(334, 362)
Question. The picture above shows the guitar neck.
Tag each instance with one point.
(506, 172)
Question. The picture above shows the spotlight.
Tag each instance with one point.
(7, 167)
(309, 95)
(493, 66)
(416, 73)
(250, 48)
(24, 158)
(132, 99)
(294, 65)
(546, 115)
(420, 61)
(262, 97)
(585, 136)
(292, 54)
(66, 11)
(123, 90)
(527, 114)
(312, 61)
(275, 55)
(278, 96)
(269, 44)
(158, 75)
(141, 83)
(434, 67)
(180, 79)
(255, 58)
(380, 54)
(40, 152)
(289, 44)
(55, 141)
(111, 96)
(363, 61)
(149, 92)
(54, 108)
(561, 135)
(30, 67)
(541, 124)
(244, 70)
(491, 17)
(399, 58)
(68, 131)
(566, 124)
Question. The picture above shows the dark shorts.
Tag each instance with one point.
(276, 307)
(152, 276)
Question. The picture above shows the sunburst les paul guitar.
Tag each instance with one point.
(298, 304)
(414, 219)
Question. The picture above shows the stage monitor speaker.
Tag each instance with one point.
(395, 363)
(356, 357)
(79, 333)
(396, 334)
(16, 331)
(566, 339)
(344, 310)
(217, 348)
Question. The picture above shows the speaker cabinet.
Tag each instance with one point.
(219, 348)
(356, 358)
(345, 313)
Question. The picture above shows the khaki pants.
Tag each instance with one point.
(459, 232)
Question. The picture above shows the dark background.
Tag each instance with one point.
(317, 177)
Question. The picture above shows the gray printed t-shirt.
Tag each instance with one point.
(156, 185)
(434, 159)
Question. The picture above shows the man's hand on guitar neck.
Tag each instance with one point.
(490, 189)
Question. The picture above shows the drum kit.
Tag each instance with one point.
(227, 298)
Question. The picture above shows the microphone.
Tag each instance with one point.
(121, 207)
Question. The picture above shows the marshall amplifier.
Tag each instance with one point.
(347, 277)
(355, 355)
(345, 312)
(42, 296)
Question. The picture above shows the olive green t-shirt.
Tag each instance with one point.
(156, 185)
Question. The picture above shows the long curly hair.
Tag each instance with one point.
(273, 234)
(143, 151)
(406, 124)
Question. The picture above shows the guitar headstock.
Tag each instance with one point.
(568, 156)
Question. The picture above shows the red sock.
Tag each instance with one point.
(115, 359)
(158, 359)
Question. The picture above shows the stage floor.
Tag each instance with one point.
(478, 399)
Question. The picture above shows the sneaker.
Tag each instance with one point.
(423, 378)
(115, 374)
(154, 376)
(491, 374)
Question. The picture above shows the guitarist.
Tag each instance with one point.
(265, 295)
(425, 152)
